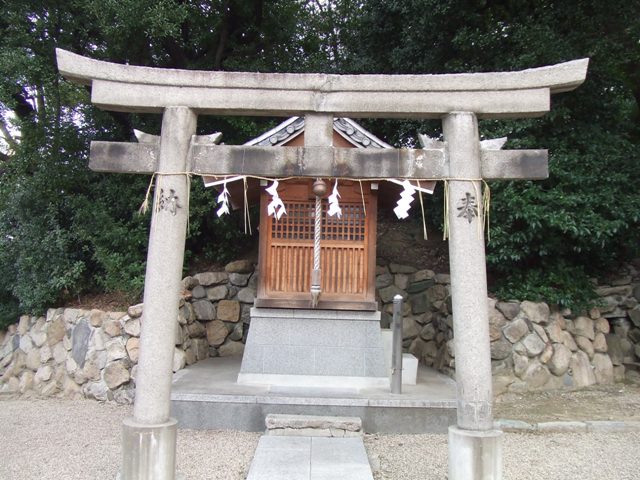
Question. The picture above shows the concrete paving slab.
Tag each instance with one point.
(307, 458)
(206, 396)
(339, 459)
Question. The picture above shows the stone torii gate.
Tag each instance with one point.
(149, 437)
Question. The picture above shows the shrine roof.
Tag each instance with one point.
(351, 131)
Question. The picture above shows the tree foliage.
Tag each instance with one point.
(65, 230)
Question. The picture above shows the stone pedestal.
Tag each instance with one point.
(475, 455)
(148, 451)
(314, 348)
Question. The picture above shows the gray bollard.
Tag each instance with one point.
(396, 358)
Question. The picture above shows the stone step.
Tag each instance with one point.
(313, 425)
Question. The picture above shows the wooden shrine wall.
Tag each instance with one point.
(347, 248)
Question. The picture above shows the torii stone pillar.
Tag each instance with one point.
(149, 438)
(474, 447)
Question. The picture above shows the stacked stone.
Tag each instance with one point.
(620, 305)
(71, 353)
(534, 348)
(219, 304)
(94, 354)
(427, 321)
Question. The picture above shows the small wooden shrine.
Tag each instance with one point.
(347, 243)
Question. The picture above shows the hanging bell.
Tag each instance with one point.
(319, 188)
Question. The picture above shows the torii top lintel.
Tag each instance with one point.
(129, 88)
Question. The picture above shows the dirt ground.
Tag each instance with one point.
(620, 401)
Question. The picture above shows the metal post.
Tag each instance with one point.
(396, 358)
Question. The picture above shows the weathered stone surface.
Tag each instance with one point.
(198, 292)
(112, 327)
(190, 356)
(546, 354)
(38, 337)
(217, 293)
(216, 333)
(239, 266)
(419, 303)
(135, 311)
(96, 317)
(420, 286)
(500, 349)
(179, 334)
(517, 329)
(33, 359)
(584, 326)
(536, 312)
(594, 313)
(196, 330)
(124, 396)
(188, 283)
(603, 368)
(443, 278)
(239, 279)
(559, 362)
(23, 325)
(56, 331)
(428, 332)
(204, 310)
(43, 374)
(115, 349)
(533, 345)
(237, 332)
(540, 332)
(509, 309)
(247, 294)
(581, 370)
(585, 345)
(211, 278)
(397, 268)
(133, 348)
(422, 275)
(410, 328)
(536, 375)
(600, 343)
(202, 348)
(70, 366)
(554, 331)
(384, 280)
(59, 353)
(569, 342)
(634, 315)
(80, 342)
(231, 349)
(495, 333)
(26, 382)
(45, 353)
(387, 293)
(437, 292)
(401, 280)
(97, 390)
(132, 327)
(228, 310)
(115, 374)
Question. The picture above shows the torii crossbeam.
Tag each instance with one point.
(181, 95)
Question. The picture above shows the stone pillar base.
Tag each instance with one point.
(148, 451)
(475, 455)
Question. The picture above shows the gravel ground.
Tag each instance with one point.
(66, 439)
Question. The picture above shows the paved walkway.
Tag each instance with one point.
(310, 458)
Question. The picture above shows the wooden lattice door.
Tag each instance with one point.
(347, 249)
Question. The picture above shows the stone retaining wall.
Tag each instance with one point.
(94, 354)
(533, 346)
